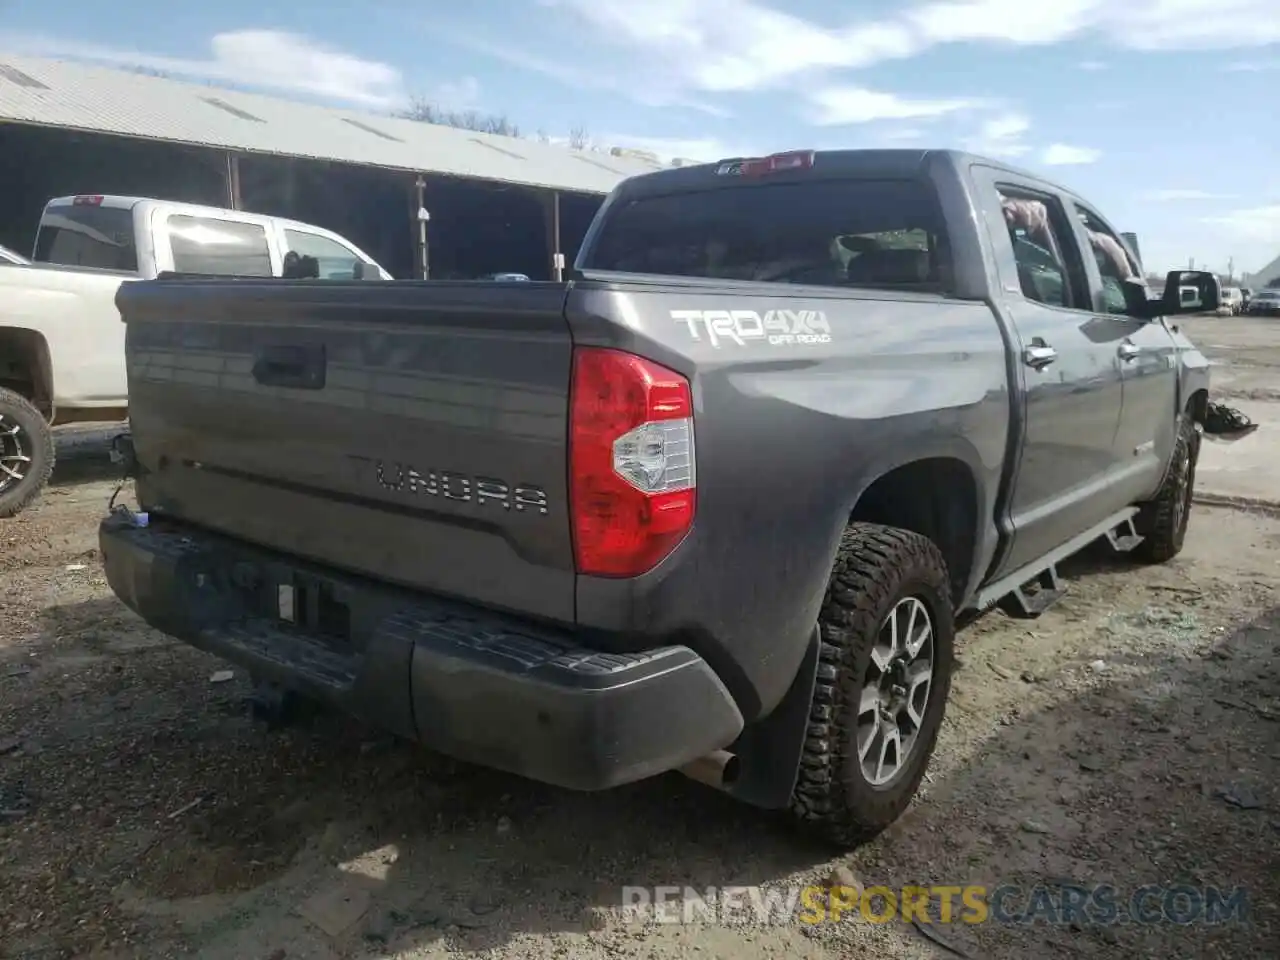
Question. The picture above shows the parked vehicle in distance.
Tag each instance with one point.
(149, 237)
(712, 505)
(1231, 302)
(61, 339)
(1265, 302)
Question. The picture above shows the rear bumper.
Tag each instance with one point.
(476, 685)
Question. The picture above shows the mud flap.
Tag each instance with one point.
(769, 750)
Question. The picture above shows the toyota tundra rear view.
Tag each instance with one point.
(712, 505)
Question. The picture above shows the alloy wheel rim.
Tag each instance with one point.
(896, 690)
(15, 461)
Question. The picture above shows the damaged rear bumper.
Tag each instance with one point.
(473, 684)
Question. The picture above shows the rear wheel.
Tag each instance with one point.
(1163, 521)
(26, 453)
(884, 675)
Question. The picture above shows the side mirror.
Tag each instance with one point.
(1190, 291)
(1136, 302)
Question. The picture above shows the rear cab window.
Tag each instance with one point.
(857, 232)
(215, 247)
(87, 234)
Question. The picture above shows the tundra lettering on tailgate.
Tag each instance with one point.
(776, 327)
(452, 485)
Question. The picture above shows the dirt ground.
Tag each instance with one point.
(1130, 736)
(1246, 352)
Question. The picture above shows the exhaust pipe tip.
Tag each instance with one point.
(718, 770)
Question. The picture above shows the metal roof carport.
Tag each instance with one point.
(86, 98)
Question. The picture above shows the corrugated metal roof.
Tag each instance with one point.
(58, 93)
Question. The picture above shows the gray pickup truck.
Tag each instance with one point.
(714, 505)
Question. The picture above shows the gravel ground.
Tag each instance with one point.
(1245, 352)
(1129, 737)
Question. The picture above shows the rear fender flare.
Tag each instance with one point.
(956, 448)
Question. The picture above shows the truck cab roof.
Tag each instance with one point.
(891, 162)
(114, 202)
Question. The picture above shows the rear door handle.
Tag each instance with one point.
(1128, 350)
(1039, 355)
(298, 367)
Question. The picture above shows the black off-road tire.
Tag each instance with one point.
(1162, 522)
(876, 567)
(37, 443)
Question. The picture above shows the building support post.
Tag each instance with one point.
(420, 218)
(551, 208)
(233, 181)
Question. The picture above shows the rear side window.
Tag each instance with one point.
(218, 248)
(1041, 243)
(1114, 263)
(336, 261)
(864, 233)
(87, 236)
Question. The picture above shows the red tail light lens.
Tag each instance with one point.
(631, 460)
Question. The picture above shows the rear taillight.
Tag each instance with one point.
(631, 461)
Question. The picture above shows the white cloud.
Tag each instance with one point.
(722, 46)
(1001, 136)
(1005, 21)
(1062, 155)
(657, 91)
(898, 136)
(836, 106)
(1176, 194)
(1194, 24)
(1253, 66)
(267, 59)
(1259, 225)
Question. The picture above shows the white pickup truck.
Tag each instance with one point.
(61, 339)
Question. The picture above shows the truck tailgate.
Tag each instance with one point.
(411, 432)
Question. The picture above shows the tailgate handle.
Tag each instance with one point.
(300, 367)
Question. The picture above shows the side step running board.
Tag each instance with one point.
(1024, 603)
(1124, 537)
(1031, 590)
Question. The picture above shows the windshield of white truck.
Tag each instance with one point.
(863, 233)
(87, 236)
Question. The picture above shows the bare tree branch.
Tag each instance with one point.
(425, 111)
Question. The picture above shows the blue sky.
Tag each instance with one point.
(1162, 112)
